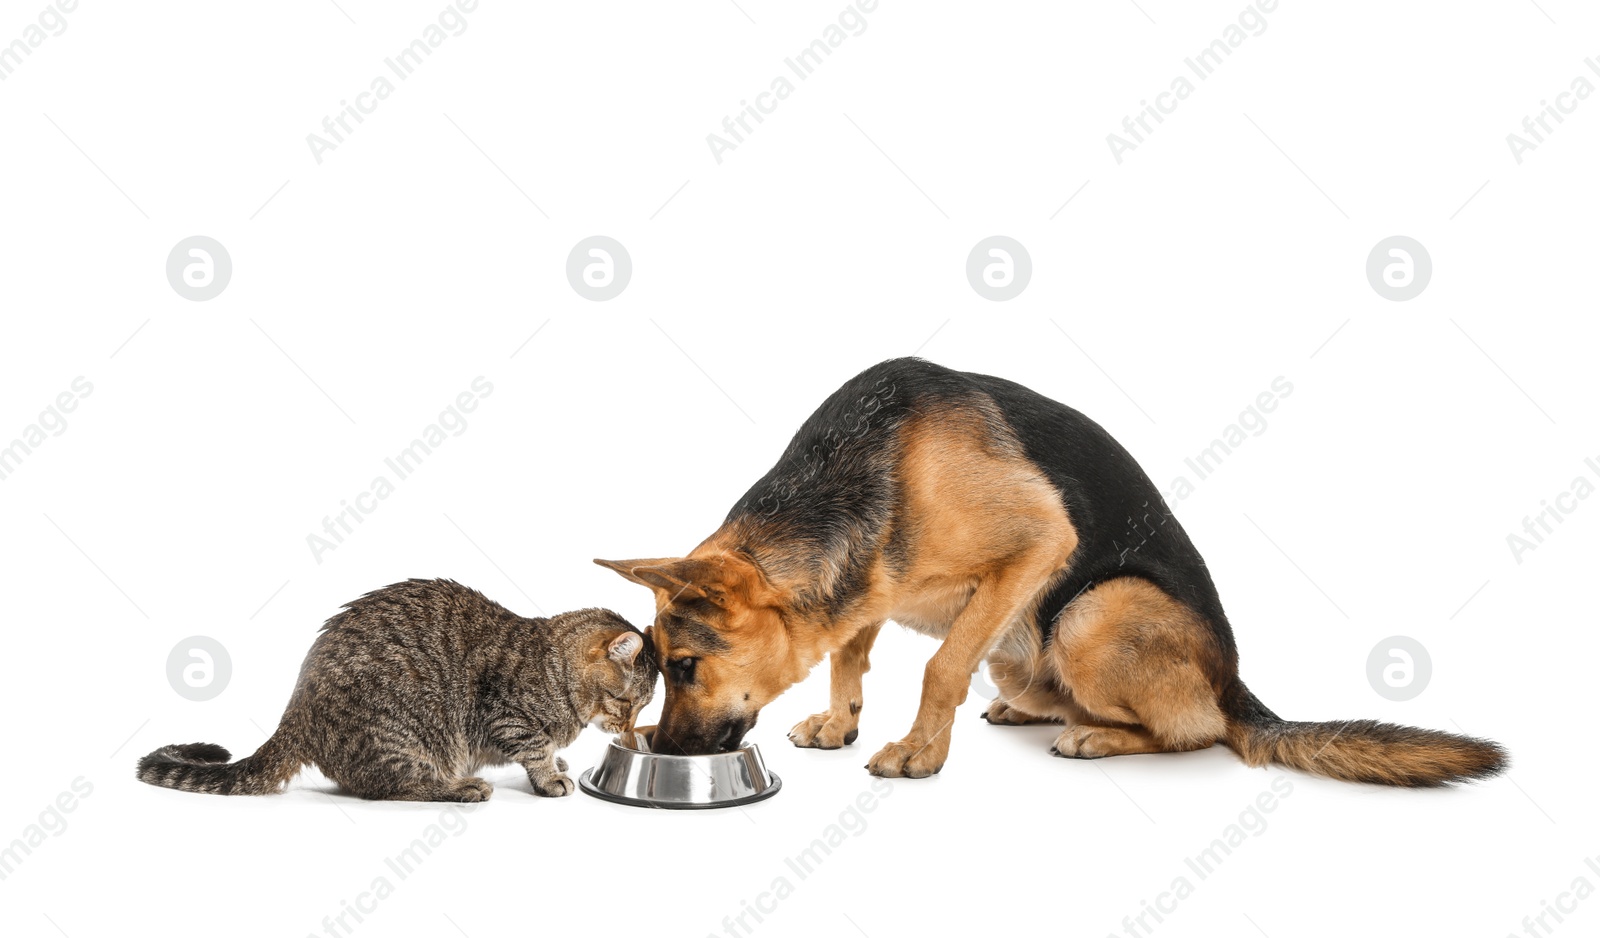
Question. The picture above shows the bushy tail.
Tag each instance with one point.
(204, 767)
(1356, 750)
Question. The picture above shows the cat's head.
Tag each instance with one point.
(616, 674)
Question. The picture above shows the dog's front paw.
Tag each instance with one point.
(555, 786)
(823, 731)
(907, 760)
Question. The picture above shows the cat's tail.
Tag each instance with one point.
(204, 768)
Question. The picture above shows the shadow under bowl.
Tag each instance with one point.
(639, 777)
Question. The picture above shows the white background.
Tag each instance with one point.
(1227, 250)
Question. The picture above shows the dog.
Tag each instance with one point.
(1013, 529)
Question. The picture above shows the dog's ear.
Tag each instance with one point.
(685, 580)
(627, 567)
(681, 578)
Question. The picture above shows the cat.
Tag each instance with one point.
(411, 688)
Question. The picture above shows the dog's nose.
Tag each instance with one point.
(732, 735)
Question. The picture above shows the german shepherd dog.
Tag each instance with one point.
(1013, 529)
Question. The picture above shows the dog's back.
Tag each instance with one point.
(837, 487)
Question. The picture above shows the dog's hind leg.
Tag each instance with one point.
(838, 725)
(1142, 667)
(1092, 741)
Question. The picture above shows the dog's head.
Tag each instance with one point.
(723, 645)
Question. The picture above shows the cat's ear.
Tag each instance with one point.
(681, 578)
(625, 648)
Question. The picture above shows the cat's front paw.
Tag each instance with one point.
(561, 764)
(555, 786)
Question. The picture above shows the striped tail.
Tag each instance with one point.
(1356, 750)
(204, 768)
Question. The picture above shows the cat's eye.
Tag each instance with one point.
(682, 669)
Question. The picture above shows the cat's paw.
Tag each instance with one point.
(469, 790)
(555, 786)
(561, 764)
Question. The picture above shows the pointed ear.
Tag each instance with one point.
(685, 580)
(679, 577)
(627, 567)
(624, 648)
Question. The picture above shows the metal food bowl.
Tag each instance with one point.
(637, 776)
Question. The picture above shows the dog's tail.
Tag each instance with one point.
(1356, 750)
(205, 768)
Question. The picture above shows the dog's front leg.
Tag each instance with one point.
(994, 605)
(838, 725)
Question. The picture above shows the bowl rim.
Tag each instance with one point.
(589, 788)
(744, 747)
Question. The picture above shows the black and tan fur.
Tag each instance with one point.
(412, 688)
(1013, 529)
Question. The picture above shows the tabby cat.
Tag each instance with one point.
(411, 688)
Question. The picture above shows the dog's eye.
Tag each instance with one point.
(682, 669)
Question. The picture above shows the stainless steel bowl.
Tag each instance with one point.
(646, 779)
